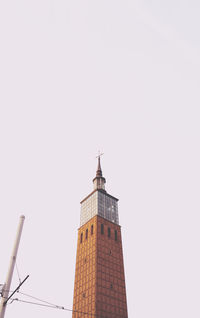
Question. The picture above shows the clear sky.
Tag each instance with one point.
(119, 76)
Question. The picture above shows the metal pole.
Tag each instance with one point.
(6, 288)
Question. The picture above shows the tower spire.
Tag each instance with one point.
(99, 181)
(99, 171)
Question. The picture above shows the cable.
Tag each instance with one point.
(53, 306)
(49, 305)
(43, 301)
(18, 272)
(38, 304)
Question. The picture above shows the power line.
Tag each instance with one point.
(38, 304)
(54, 306)
(48, 304)
(43, 301)
(17, 272)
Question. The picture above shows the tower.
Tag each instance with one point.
(99, 287)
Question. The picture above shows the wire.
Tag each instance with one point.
(38, 304)
(49, 305)
(18, 272)
(43, 301)
(53, 306)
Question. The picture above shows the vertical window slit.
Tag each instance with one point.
(102, 229)
(115, 235)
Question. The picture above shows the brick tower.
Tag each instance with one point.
(99, 288)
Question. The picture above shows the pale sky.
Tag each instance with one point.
(122, 77)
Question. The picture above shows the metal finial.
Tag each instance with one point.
(99, 171)
(99, 154)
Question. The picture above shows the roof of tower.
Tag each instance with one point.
(102, 191)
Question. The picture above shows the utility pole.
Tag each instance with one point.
(6, 287)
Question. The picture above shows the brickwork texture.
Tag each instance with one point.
(99, 287)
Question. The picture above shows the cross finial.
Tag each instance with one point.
(99, 154)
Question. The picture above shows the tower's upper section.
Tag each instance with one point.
(99, 202)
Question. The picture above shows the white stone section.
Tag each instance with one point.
(99, 204)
